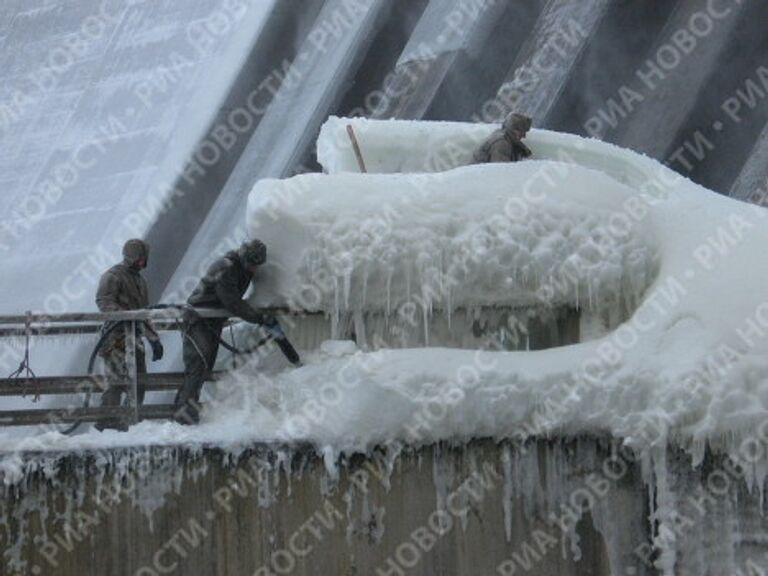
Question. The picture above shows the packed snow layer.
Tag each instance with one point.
(399, 146)
(407, 146)
(688, 365)
(698, 337)
(582, 223)
(501, 235)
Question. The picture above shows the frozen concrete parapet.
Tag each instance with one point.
(481, 508)
(574, 506)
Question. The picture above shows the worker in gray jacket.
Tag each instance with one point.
(122, 287)
(223, 286)
(506, 145)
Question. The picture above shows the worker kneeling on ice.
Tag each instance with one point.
(223, 286)
(506, 145)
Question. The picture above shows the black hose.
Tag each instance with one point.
(285, 346)
(282, 342)
(91, 362)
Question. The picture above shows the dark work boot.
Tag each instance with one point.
(111, 398)
(111, 424)
(187, 414)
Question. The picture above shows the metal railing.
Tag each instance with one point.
(25, 382)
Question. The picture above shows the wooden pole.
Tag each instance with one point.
(356, 148)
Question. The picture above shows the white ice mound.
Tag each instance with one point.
(533, 233)
(689, 364)
(584, 222)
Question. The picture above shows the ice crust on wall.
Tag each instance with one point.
(542, 482)
(666, 378)
(447, 242)
(679, 371)
(144, 477)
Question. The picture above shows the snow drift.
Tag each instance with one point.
(498, 235)
(584, 223)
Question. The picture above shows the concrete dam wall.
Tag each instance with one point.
(544, 506)
(577, 507)
(154, 88)
(482, 508)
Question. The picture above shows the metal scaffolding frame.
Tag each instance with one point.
(26, 383)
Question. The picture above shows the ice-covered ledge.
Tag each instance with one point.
(685, 369)
(476, 503)
(658, 252)
(409, 146)
(690, 359)
(578, 505)
(688, 363)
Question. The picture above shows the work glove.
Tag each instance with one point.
(272, 327)
(269, 321)
(157, 350)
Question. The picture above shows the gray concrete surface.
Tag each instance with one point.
(479, 509)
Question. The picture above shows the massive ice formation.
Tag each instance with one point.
(585, 225)
(499, 235)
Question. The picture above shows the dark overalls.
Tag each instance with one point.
(122, 288)
(223, 286)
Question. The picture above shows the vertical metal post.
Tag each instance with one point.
(130, 362)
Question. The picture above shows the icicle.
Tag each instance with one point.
(527, 335)
(664, 510)
(408, 282)
(362, 342)
(330, 460)
(347, 287)
(348, 499)
(449, 308)
(760, 473)
(365, 509)
(393, 453)
(365, 286)
(441, 478)
(697, 450)
(377, 521)
(506, 463)
(264, 493)
(577, 295)
(287, 459)
(527, 486)
(335, 315)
